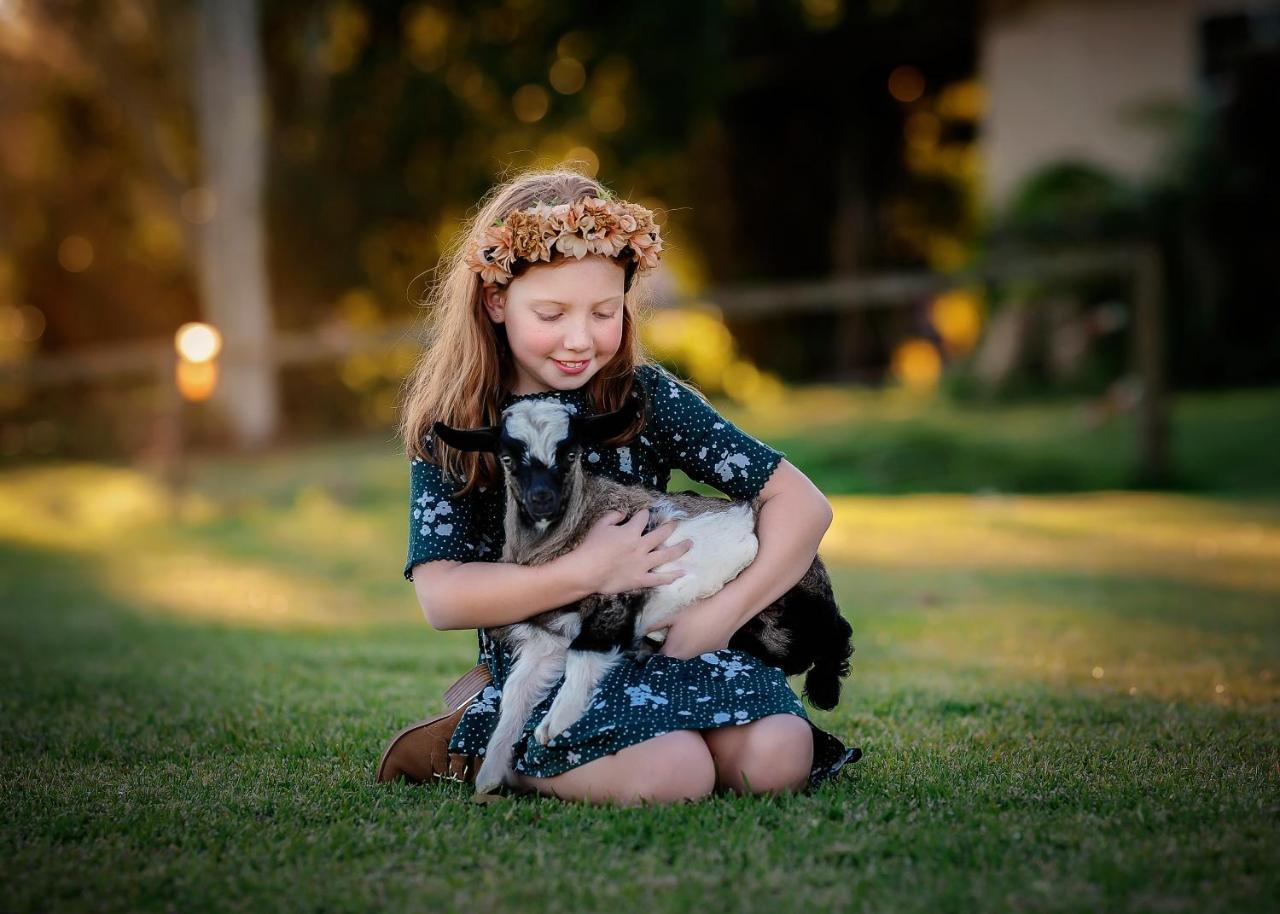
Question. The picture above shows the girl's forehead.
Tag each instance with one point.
(571, 281)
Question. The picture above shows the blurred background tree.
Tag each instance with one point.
(784, 142)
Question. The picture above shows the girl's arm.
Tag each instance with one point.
(612, 558)
(794, 516)
(455, 595)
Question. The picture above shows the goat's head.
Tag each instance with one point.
(539, 445)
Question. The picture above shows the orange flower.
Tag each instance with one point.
(647, 247)
(493, 256)
(529, 232)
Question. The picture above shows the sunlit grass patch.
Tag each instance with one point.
(1164, 535)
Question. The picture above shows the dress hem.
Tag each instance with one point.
(823, 769)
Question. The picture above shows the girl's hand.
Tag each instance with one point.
(699, 627)
(618, 558)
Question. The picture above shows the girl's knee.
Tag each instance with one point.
(671, 767)
(664, 769)
(774, 754)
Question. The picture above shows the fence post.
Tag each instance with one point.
(1148, 355)
(172, 451)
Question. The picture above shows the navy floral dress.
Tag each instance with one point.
(634, 701)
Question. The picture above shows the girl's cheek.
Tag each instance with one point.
(612, 335)
(534, 337)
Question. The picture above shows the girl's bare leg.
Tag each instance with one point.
(771, 755)
(665, 769)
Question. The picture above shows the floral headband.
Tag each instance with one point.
(588, 226)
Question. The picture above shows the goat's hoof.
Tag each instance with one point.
(489, 779)
(544, 733)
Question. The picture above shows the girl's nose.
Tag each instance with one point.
(577, 338)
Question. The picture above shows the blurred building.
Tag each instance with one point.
(1097, 79)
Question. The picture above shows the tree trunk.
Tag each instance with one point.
(232, 261)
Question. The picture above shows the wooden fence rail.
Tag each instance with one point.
(1140, 264)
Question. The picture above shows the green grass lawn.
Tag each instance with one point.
(1067, 701)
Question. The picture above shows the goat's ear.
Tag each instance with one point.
(468, 439)
(607, 425)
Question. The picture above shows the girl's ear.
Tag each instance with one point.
(495, 302)
(483, 439)
(607, 425)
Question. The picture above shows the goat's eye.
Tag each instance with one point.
(573, 455)
(506, 459)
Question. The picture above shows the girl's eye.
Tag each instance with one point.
(604, 316)
(546, 318)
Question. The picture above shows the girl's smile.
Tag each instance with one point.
(563, 321)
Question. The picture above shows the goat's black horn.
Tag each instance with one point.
(483, 439)
(608, 425)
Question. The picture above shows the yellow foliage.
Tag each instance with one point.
(697, 339)
(348, 33)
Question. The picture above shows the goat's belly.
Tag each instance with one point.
(564, 627)
(724, 543)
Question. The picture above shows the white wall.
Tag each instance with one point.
(1066, 77)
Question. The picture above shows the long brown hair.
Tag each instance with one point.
(465, 367)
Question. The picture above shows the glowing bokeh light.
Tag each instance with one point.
(586, 156)
(197, 342)
(530, 103)
(916, 364)
(75, 253)
(906, 84)
(196, 380)
(426, 37)
(567, 76)
(957, 316)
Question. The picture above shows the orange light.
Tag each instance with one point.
(196, 380)
(916, 364)
(906, 84)
(957, 316)
(530, 103)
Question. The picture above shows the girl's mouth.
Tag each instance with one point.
(571, 367)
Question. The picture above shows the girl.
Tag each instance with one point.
(536, 304)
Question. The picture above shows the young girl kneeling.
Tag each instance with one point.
(537, 303)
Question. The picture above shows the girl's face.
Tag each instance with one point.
(569, 311)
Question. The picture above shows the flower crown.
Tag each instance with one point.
(587, 226)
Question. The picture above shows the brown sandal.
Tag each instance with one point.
(420, 752)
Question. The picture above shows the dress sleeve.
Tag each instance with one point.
(691, 436)
(440, 527)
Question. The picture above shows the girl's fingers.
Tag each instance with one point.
(678, 549)
(661, 532)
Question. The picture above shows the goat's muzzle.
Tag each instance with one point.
(542, 503)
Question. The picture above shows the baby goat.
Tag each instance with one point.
(552, 504)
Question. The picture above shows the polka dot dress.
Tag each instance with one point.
(635, 701)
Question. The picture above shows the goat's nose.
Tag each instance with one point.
(542, 498)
